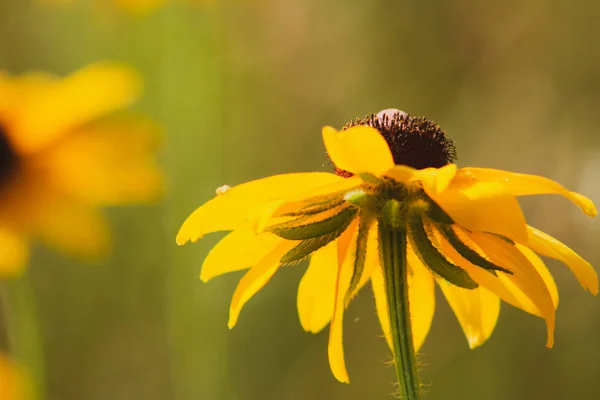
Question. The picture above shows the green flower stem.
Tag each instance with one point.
(392, 247)
(24, 336)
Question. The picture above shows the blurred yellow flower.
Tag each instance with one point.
(62, 154)
(462, 228)
(14, 383)
(135, 6)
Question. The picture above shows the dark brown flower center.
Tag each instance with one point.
(8, 157)
(414, 141)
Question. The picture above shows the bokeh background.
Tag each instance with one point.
(242, 89)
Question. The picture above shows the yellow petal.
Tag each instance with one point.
(358, 149)
(548, 246)
(477, 311)
(381, 304)
(13, 253)
(483, 206)
(57, 107)
(523, 185)
(401, 173)
(255, 279)
(316, 293)
(421, 297)
(542, 269)
(435, 180)
(238, 250)
(107, 163)
(525, 276)
(232, 209)
(74, 229)
(345, 266)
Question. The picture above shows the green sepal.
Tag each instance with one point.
(370, 178)
(317, 206)
(394, 214)
(435, 213)
(468, 253)
(360, 255)
(298, 229)
(433, 258)
(307, 247)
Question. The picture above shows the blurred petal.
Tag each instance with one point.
(523, 185)
(15, 382)
(238, 250)
(525, 276)
(57, 107)
(358, 149)
(13, 253)
(139, 6)
(231, 209)
(548, 246)
(345, 264)
(477, 311)
(108, 163)
(74, 229)
(483, 206)
(316, 293)
(256, 279)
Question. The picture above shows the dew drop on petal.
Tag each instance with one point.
(221, 190)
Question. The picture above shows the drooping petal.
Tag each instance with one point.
(56, 107)
(232, 209)
(477, 311)
(483, 206)
(358, 149)
(107, 163)
(381, 304)
(255, 279)
(240, 249)
(421, 298)
(524, 184)
(524, 288)
(316, 293)
(335, 348)
(525, 276)
(542, 269)
(14, 253)
(548, 246)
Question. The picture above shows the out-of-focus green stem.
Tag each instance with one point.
(24, 335)
(392, 244)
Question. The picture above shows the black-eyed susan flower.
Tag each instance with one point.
(62, 155)
(398, 213)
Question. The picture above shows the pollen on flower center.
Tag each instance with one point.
(8, 157)
(414, 141)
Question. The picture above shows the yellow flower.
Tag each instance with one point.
(14, 382)
(63, 155)
(464, 226)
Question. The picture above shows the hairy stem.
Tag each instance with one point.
(392, 247)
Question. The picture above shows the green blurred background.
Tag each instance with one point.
(242, 89)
